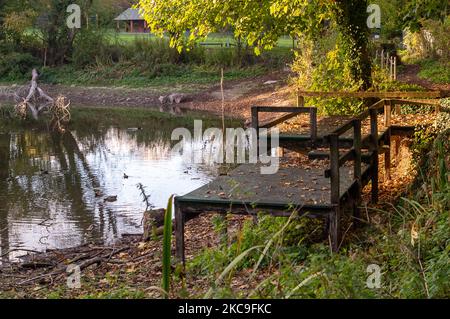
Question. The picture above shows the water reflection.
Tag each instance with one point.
(48, 184)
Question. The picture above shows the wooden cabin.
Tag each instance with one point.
(131, 21)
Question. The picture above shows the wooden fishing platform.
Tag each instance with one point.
(351, 146)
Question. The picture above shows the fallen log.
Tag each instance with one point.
(38, 102)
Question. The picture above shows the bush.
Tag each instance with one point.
(322, 66)
(435, 71)
(430, 42)
(17, 66)
(91, 48)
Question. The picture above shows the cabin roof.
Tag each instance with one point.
(129, 14)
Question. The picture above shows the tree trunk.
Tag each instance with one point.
(351, 18)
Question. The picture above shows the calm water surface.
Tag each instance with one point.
(48, 184)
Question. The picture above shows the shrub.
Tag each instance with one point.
(91, 48)
(322, 66)
(17, 66)
(430, 42)
(435, 71)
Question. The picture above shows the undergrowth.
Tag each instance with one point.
(290, 258)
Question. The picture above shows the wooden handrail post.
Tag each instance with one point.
(374, 150)
(255, 120)
(255, 125)
(387, 112)
(357, 175)
(395, 68)
(300, 101)
(387, 155)
(313, 123)
(334, 169)
(334, 215)
(357, 148)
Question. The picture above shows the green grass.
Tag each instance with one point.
(224, 38)
(121, 75)
(435, 71)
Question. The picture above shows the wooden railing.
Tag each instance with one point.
(337, 160)
(292, 112)
(366, 94)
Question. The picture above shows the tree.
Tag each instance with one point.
(262, 22)
(415, 11)
(351, 18)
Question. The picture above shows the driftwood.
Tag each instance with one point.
(38, 102)
(174, 98)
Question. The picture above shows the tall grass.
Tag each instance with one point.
(167, 248)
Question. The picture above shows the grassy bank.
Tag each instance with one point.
(435, 71)
(121, 75)
(141, 61)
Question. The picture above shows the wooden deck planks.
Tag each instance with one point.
(298, 186)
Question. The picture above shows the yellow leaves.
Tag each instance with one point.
(19, 22)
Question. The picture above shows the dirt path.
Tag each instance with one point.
(240, 95)
(409, 74)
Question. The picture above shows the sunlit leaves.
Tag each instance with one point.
(260, 23)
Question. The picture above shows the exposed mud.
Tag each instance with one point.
(240, 95)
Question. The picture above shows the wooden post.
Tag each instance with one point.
(255, 125)
(387, 155)
(382, 58)
(334, 168)
(357, 175)
(179, 233)
(395, 68)
(131, 26)
(334, 216)
(387, 113)
(374, 150)
(390, 68)
(313, 123)
(300, 101)
(386, 61)
(357, 148)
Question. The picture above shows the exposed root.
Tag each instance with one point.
(38, 102)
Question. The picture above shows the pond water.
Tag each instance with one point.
(53, 187)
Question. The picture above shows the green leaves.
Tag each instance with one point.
(261, 23)
(167, 244)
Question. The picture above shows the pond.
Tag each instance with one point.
(54, 189)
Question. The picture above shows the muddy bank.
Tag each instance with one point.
(240, 95)
(130, 264)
